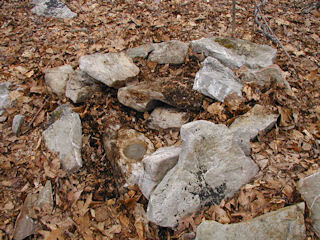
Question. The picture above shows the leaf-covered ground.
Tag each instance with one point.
(89, 204)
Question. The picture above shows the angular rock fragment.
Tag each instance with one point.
(141, 51)
(52, 8)
(211, 167)
(17, 123)
(310, 192)
(216, 81)
(4, 96)
(80, 87)
(284, 224)
(64, 136)
(246, 127)
(234, 53)
(112, 69)
(156, 166)
(167, 118)
(56, 78)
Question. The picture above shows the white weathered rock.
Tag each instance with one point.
(167, 118)
(211, 167)
(4, 96)
(156, 166)
(56, 78)
(310, 192)
(80, 87)
(141, 97)
(216, 81)
(234, 53)
(112, 69)
(17, 123)
(141, 51)
(52, 8)
(284, 224)
(246, 127)
(64, 136)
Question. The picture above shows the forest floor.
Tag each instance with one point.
(87, 204)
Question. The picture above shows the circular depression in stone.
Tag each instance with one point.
(135, 151)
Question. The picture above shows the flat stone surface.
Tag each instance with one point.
(56, 78)
(64, 136)
(246, 127)
(234, 53)
(310, 192)
(211, 167)
(80, 87)
(4, 96)
(112, 69)
(52, 8)
(167, 118)
(17, 123)
(141, 51)
(284, 224)
(216, 81)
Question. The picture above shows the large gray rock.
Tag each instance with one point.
(52, 8)
(284, 224)
(141, 51)
(234, 53)
(310, 191)
(80, 87)
(216, 81)
(4, 96)
(112, 69)
(211, 167)
(64, 136)
(246, 127)
(56, 78)
(167, 118)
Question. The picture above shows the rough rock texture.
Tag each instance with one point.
(141, 51)
(156, 166)
(167, 118)
(284, 224)
(64, 136)
(310, 191)
(173, 52)
(80, 86)
(211, 167)
(17, 123)
(234, 53)
(112, 69)
(56, 78)
(52, 8)
(141, 97)
(4, 96)
(246, 127)
(216, 81)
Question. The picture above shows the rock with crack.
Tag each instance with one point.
(64, 136)
(216, 81)
(52, 8)
(4, 96)
(167, 118)
(246, 127)
(127, 147)
(80, 86)
(156, 166)
(310, 192)
(211, 167)
(56, 78)
(112, 69)
(234, 53)
(284, 224)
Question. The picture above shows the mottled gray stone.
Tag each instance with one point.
(167, 118)
(310, 192)
(234, 53)
(4, 96)
(216, 81)
(211, 167)
(284, 224)
(64, 136)
(246, 127)
(141, 51)
(80, 87)
(112, 69)
(56, 78)
(52, 8)
(17, 123)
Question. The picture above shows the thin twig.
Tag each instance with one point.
(233, 17)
